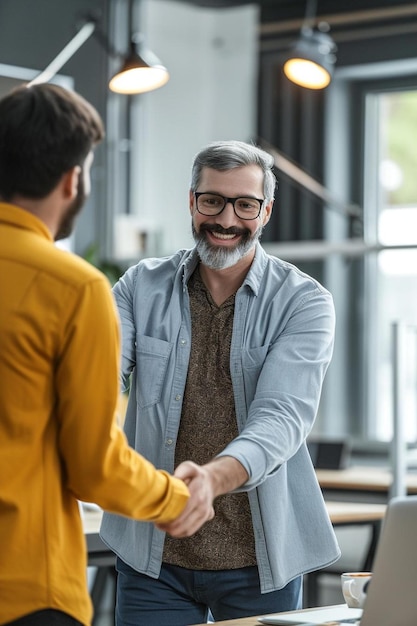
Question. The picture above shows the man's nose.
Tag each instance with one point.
(228, 215)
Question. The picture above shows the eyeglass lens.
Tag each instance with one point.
(212, 204)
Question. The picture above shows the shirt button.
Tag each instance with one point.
(178, 397)
(183, 342)
(169, 442)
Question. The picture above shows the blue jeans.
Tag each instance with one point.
(182, 596)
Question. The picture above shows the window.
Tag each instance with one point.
(390, 176)
(372, 160)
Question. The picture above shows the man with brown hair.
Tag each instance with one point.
(59, 366)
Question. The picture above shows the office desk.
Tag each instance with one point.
(91, 523)
(362, 481)
(99, 555)
(348, 514)
(345, 513)
(359, 514)
(253, 621)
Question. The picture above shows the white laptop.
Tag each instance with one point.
(392, 592)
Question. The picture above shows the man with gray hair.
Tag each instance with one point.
(225, 349)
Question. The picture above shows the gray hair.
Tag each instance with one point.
(226, 155)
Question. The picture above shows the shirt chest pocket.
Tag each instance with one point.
(152, 356)
(252, 363)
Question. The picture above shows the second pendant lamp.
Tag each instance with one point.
(310, 62)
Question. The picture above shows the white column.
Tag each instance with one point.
(399, 444)
(212, 58)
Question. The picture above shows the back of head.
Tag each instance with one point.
(227, 155)
(45, 131)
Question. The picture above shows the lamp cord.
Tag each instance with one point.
(130, 20)
(310, 15)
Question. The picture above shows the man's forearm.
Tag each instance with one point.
(226, 474)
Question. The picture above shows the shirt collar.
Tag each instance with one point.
(15, 216)
(256, 271)
(253, 277)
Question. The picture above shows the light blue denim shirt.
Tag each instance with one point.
(281, 346)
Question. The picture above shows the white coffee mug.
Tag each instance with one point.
(355, 587)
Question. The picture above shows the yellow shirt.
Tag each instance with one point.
(59, 441)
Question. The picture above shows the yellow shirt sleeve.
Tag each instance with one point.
(99, 464)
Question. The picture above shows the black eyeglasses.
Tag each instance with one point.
(213, 204)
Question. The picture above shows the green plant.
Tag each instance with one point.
(112, 270)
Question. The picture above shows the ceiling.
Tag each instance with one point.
(347, 19)
(276, 10)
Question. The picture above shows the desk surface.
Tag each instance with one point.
(253, 621)
(91, 521)
(342, 513)
(244, 621)
(362, 479)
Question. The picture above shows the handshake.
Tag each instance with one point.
(205, 483)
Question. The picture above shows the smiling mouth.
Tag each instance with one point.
(224, 236)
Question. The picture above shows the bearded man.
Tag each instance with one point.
(225, 349)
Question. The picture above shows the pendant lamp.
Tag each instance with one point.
(310, 62)
(140, 71)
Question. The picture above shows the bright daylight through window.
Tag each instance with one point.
(392, 277)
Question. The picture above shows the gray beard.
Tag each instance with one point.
(219, 258)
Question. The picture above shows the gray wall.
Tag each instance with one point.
(212, 58)
(32, 33)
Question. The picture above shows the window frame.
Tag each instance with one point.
(360, 86)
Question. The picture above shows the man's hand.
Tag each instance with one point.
(205, 483)
(199, 508)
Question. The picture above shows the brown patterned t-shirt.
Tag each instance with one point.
(208, 424)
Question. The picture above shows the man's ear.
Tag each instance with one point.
(70, 182)
(191, 201)
(267, 213)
